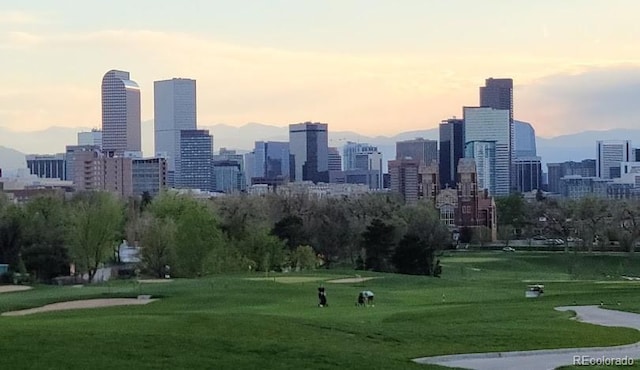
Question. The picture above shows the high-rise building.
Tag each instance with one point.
(309, 145)
(351, 149)
(497, 93)
(270, 161)
(84, 152)
(118, 175)
(334, 160)
(451, 150)
(525, 140)
(121, 130)
(609, 155)
(149, 175)
(405, 178)
(174, 108)
(556, 171)
(196, 147)
(419, 149)
(484, 154)
(528, 174)
(483, 124)
(48, 166)
(228, 171)
(93, 137)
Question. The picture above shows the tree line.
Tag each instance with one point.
(47, 234)
(589, 222)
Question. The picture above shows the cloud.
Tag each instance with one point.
(370, 93)
(15, 17)
(591, 99)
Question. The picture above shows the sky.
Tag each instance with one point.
(369, 66)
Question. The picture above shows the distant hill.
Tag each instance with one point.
(53, 140)
(11, 160)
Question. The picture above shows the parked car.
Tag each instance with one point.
(574, 240)
(508, 249)
(554, 242)
(539, 237)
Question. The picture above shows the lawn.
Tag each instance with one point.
(258, 321)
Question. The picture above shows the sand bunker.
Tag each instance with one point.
(350, 280)
(288, 279)
(154, 281)
(13, 288)
(75, 305)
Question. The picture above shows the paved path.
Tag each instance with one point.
(550, 359)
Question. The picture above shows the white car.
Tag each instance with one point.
(508, 249)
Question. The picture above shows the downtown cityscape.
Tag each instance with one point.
(319, 184)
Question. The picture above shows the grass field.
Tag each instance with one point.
(255, 321)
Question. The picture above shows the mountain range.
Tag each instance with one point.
(14, 144)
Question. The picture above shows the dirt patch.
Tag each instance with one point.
(155, 281)
(350, 280)
(75, 305)
(13, 288)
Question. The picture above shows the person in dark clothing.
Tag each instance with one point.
(361, 300)
(322, 296)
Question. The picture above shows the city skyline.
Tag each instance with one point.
(380, 71)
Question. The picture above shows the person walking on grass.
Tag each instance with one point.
(322, 297)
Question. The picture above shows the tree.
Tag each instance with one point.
(12, 226)
(628, 217)
(94, 226)
(591, 214)
(512, 215)
(378, 243)
(291, 230)
(44, 252)
(157, 241)
(425, 235)
(303, 258)
(558, 218)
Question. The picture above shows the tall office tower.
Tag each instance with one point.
(271, 160)
(120, 114)
(556, 171)
(485, 125)
(149, 175)
(525, 140)
(93, 137)
(334, 160)
(174, 109)
(309, 145)
(351, 150)
(528, 174)
(609, 155)
(497, 93)
(451, 150)
(48, 166)
(196, 150)
(484, 154)
(70, 159)
(419, 149)
(405, 178)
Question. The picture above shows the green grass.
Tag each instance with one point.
(255, 321)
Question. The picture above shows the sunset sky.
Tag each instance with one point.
(374, 67)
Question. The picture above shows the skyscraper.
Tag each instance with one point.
(486, 125)
(451, 150)
(174, 108)
(419, 149)
(271, 160)
(120, 114)
(309, 145)
(525, 140)
(351, 150)
(196, 150)
(497, 93)
(334, 159)
(609, 155)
